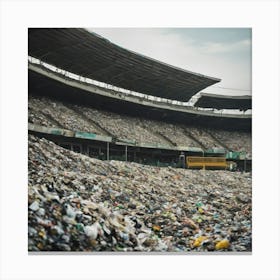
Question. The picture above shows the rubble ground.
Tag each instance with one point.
(78, 203)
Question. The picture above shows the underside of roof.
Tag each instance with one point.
(208, 100)
(87, 54)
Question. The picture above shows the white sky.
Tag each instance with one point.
(223, 53)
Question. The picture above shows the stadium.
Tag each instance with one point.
(128, 154)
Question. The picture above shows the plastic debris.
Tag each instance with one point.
(156, 228)
(34, 206)
(223, 244)
(199, 240)
(77, 203)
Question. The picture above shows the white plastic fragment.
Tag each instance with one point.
(34, 206)
(92, 231)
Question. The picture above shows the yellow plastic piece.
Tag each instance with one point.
(42, 234)
(40, 246)
(200, 210)
(224, 244)
(156, 228)
(199, 240)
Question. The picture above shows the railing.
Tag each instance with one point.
(126, 93)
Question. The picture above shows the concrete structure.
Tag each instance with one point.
(89, 55)
(209, 100)
(50, 83)
(106, 148)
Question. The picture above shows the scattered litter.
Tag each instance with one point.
(78, 203)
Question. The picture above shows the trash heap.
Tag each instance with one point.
(78, 203)
(175, 132)
(203, 136)
(53, 113)
(236, 141)
(37, 117)
(61, 115)
(122, 126)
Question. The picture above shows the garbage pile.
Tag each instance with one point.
(122, 126)
(78, 203)
(61, 115)
(200, 134)
(49, 112)
(37, 117)
(175, 132)
(235, 140)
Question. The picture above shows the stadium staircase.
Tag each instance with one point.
(48, 117)
(188, 134)
(52, 120)
(101, 130)
(218, 141)
(164, 138)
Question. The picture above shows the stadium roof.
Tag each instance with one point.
(87, 54)
(208, 100)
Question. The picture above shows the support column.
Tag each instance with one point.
(125, 152)
(108, 151)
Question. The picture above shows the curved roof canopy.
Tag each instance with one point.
(87, 54)
(209, 100)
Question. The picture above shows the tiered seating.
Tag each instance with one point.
(36, 117)
(175, 133)
(47, 112)
(203, 137)
(63, 115)
(234, 140)
(121, 126)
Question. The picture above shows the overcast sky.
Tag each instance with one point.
(223, 53)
